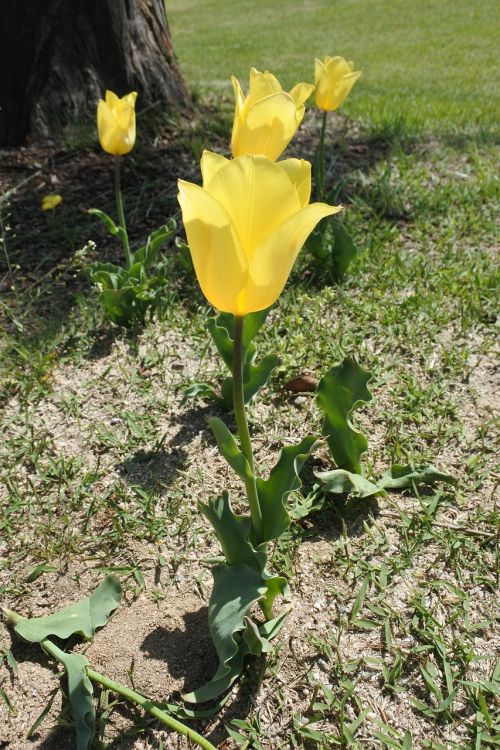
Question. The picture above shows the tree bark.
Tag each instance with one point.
(57, 58)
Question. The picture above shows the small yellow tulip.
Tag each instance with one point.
(334, 79)
(246, 226)
(51, 201)
(116, 123)
(266, 121)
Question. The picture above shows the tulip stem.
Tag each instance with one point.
(321, 170)
(121, 215)
(50, 648)
(243, 431)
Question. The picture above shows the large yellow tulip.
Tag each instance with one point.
(334, 79)
(116, 123)
(246, 226)
(266, 121)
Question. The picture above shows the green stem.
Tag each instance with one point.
(121, 215)
(243, 431)
(321, 185)
(123, 690)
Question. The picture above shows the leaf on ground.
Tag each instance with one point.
(80, 696)
(342, 482)
(283, 479)
(400, 477)
(236, 589)
(82, 618)
(340, 392)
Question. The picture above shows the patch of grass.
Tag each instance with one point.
(424, 64)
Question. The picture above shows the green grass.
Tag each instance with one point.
(432, 63)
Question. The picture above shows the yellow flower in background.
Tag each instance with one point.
(266, 121)
(51, 201)
(246, 226)
(116, 123)
(334, 79)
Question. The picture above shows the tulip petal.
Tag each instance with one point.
(301, 93)
(210, 164)
(268, 127)
(261, 85)
(299, 172)
(273, 260)
(258, 196)
(112, 100)
(219, 262)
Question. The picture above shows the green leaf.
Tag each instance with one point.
(221, 329)
(229, 450)
(39, 570)
(400, 477)
(255, 377)
(283, 479)
(232, 532)
(148, 253)
(340, 392)
(82, 617)
(344, 249)
(342, 482)
(108, 222)
(236, 589)
(317, 243)
(199, 390)
(80, 696)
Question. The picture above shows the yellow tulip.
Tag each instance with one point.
(246, 226)
(51, 201)
(334, 79)
(266, 121)
(116, 123)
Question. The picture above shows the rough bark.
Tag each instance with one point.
(59, 56)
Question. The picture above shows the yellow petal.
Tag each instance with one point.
(257, 195)
(210, 164)
(299, 172)
(112, 100)
(268, 128)
(51, 201)
(272, 262)
(219, 262)
(301, 93)
(261, 85)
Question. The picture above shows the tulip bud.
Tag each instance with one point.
(116, 123)
(266, 121)
(334, 79)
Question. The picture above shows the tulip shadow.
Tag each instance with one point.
(160, 466)
(190, 655)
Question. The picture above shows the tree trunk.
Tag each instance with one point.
(57, 58)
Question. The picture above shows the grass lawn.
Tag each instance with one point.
(434, 64)
(392, 639)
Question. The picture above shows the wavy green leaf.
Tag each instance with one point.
(344, 249)
(82, 618)
(340, 481)
(283, 479)
(80, 696)
(340, 392)
(148, 253)
(402, 477)
(232, 532)
(229, 449)
(108, 222)
(236, 589)
(255, 377)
